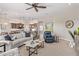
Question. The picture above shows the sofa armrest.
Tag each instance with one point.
(11, 52)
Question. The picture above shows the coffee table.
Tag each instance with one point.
(41, 43)
(33, 47)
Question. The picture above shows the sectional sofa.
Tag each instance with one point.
(20, 39)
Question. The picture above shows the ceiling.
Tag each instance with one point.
(17, 10)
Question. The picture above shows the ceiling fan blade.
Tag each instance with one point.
(36, 9)
(28, 4)
(29, 8)
(41, 6)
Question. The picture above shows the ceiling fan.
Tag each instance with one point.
(35, 6)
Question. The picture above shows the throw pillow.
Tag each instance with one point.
(7, 37)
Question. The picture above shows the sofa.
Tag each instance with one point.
(19, 41)
(11, 52)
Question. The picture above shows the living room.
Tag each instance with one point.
(39, 27)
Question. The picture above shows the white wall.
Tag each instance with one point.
(61, 30)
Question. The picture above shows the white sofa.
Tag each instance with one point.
(11, 52)
(15, 43)
(19, 42)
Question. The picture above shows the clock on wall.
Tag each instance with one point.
(69, 24)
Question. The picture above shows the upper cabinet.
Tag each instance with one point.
(17, 25)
